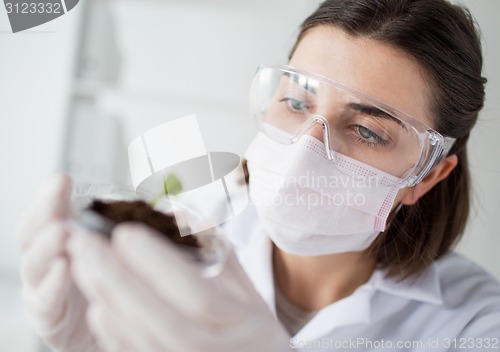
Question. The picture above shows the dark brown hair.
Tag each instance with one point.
(444, 39)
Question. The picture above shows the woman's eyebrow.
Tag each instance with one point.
(370, 110)
(374, 111)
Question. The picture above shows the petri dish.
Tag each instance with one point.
(214, 248)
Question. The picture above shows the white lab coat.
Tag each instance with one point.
(454, 305)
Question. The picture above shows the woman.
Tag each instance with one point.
(360, 188)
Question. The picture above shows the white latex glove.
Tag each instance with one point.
(56, 306)
(144, 295)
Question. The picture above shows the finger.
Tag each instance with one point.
(50, 203)
(56, 283)
(106, 281)
(48, 301)
(114, 334)
(91, 263)
(174, 278)
(47, 245)
(107, 334)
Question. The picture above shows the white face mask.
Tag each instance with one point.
(310, 205)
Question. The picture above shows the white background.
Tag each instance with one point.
(175, 58)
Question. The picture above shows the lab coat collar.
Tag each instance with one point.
(254, 251)
(356, 308)
(424, 288)
(256, 259)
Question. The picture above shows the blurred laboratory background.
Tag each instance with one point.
(74, 93)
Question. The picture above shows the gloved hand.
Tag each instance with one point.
(145, 295)
(56, 306)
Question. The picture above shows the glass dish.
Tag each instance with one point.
(214, 247)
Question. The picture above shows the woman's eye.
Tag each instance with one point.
(368, 136)
(295, 104)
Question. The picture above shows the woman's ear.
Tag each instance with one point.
(438, 173)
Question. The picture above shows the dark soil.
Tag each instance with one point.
(140, 211)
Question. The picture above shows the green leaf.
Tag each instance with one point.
(172, 185)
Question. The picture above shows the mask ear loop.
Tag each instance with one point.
(393, 215)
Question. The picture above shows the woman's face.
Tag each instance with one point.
(369, 66)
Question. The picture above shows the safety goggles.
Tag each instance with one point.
(348, 122)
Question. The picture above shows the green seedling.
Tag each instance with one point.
(171, 185)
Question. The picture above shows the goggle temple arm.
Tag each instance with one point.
(442, 146)
(448, 143)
